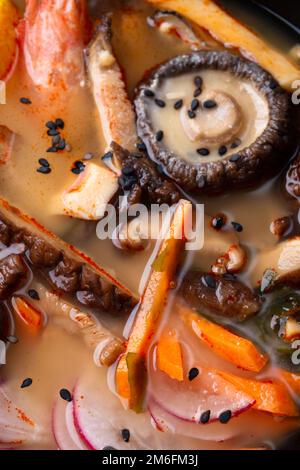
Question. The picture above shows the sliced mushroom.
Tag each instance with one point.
(172, 23)
(215, 121)
(292, 182)
(114, 108)
(107, 347)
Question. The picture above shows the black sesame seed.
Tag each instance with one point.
(125, 435)
(209, 281)
(234, 158)
(65, 394)
(61, 145)
(33, 294)
(51, 125)
(195, 104)
(209, 104)
(12, 339)
(141, 146)
(205, 417)
(222, 150)
(45, 170)
(178, 104)
(79, 164)
(56, 139)
(193, 373)
(109, 448)
(149, 93)
(60, 123)
(26, 383)
(52, 132)
(203, 152)
(198, 81)
(25, 100)
(127, 170)
(51, 150)
(217, 223)
(237, 227)
(236, 143)
(197, 92)
(225, 416)
(159, 136)
(191, 114)
(107, 156)
(160, 103)
(44, 162)
(76, 171)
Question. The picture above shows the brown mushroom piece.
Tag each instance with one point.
(292, 181)
(219, 295)
(213, 120)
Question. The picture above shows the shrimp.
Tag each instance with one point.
(55, 33)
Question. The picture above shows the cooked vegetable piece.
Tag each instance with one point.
(292, 329)
(293, 380)
(169, 355)
(153, 301)
(235, 349)
(89, 195)
(106, 346)
(29, 314)
(269, 396)
(115, 110)
(9, 18)
(232, 33)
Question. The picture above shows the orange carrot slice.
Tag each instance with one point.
(235, 349)
(232, 33)
(30, 315)
(293, 380)
(169, 355)
(153, 301)
(269, 396)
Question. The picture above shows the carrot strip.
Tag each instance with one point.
(232, 33)
(169, 356)
(293, 380)
(153, 300)
(31, 316)
(235, 349)
(269, 396)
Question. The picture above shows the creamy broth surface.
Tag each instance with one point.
(58, 357)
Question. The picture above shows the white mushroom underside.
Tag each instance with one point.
(243, 114)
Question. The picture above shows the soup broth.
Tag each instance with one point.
(57, 358)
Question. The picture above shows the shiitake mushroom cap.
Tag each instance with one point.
(266, 155)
